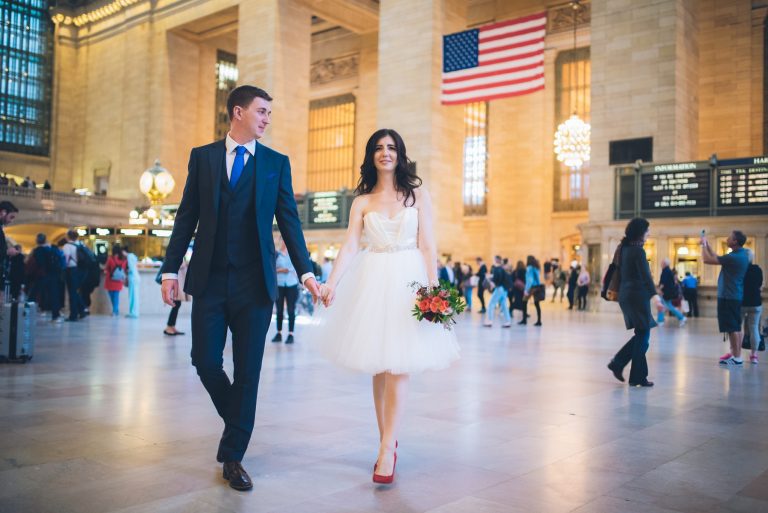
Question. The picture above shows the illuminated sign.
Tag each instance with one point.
(132, 232)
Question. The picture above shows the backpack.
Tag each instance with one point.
(53, 263)
(88, 265)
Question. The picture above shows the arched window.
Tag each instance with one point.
(331, 162)
(475, 158)
(26, 56)
(572, 95)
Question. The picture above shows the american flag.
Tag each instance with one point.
(494, 61)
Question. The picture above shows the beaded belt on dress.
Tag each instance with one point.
(392, 249)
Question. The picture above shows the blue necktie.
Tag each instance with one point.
(237, 166)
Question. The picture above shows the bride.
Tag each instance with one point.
(370, 328)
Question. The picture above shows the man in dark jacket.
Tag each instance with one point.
(482, 270)
(669, 292)
(8, 213)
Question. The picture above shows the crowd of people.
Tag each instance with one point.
(26, 183)
(513, 286)
(65, 273)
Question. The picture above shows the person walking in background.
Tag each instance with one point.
(134, 283)
(287, 292)
(583, 282)
(16, 271)
(752, 306)
(558, 283)
(325, 269)
(442, 272)
(449, 272)
(170, 328)
(669, 292)
(573, 280)
(8, 213)
(72, 276)
(499, 296)
(533, 287)
(458, 277)
(730, 291)
(482, 271)
(468, 285)
(43, 270)
(635, 292)
(518, 288)
(116, 272)
(691, 294)
(58, 248)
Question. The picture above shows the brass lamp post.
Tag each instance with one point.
(156, 183)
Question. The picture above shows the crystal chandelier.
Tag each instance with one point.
(572, 142)
(572, 145)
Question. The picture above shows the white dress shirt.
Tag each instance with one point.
(250, 150)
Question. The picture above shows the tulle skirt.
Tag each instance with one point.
(370, 326)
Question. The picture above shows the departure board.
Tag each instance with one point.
(742, 183)
(678, 186)
(325, 210)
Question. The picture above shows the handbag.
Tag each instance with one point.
(488, 284)
(539, 293)
(612, 278)
(474, 281)
(118, 274)
(746, 342)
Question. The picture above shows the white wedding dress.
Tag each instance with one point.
(370, 326)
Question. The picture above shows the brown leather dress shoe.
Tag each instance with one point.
(237, 476)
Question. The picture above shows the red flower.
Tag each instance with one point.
(435, 304)
(424, 305)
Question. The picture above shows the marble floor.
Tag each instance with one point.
(111, 417)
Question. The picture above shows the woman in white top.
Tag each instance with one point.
(370, 327)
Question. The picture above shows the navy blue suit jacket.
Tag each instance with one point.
(199, 209)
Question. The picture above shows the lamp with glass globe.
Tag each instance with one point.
(156, 183)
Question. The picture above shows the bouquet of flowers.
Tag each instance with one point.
(440, 304)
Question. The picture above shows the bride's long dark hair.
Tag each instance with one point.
(406, 180)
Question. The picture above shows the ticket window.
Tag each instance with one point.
(687, 257)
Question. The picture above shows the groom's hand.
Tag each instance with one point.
(314, 288)
(170, 290)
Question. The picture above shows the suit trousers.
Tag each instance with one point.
(247, 316)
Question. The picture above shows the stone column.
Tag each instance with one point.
(273, 52)
(410, 69)
(644, 83)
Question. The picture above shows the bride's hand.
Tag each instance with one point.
(327, 294)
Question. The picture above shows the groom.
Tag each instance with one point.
(234, 189)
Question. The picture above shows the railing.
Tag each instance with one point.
(65, 197)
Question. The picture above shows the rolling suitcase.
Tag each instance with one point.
(17, 331)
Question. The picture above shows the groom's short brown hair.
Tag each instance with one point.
(242, 96)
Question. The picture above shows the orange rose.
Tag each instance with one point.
(424, 305)
(435, 304)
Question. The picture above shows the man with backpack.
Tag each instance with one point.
(73, 276)
(44, 268)
(90, 271)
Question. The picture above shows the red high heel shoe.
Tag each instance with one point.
(376, 464)
(385, 479)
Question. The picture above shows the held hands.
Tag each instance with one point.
(314, 288)
(327, 294)
(170, 290)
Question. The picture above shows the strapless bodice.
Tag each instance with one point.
(388, 234)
